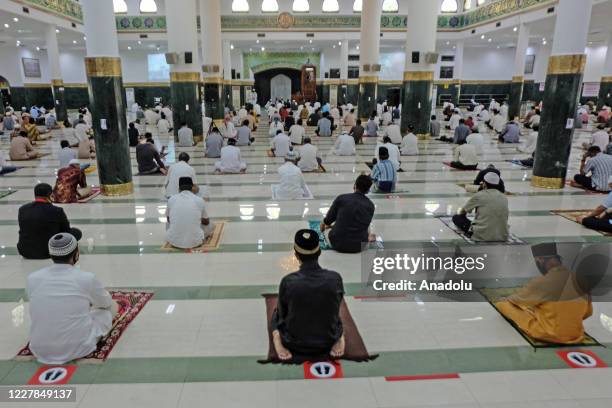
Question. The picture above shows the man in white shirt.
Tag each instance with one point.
(393, 150)
(600, 138)
(497, 122)
(531, 142)
(242, 113)
(188, 223)
(151, 117)
(476, 140)
(454, 121)
(465, 157)
(230, 129)
(177, 171)
(69, 309)
(410, 144)
(169, 116)
(394, 133)
(386, 118)
(275, 126)
(281, 144)
(185, 136)
(66, 154)
(297, 133)
(503, 111)
(309, 157)
(534, 120)
(345, 145)
(292, 185)
(230, 159)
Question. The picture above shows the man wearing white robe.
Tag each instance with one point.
(292, 185)
(394, 132)
(394, 152)
(345, 145)
(231, 161)
(410, 145)
(309, 157)
(281, 144)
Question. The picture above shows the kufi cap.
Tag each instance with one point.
(306, 242)
(291, 155)
(62, 244)
(492, 179)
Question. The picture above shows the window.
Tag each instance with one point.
(447, 72)
(120, 6)
(301, 6)
(390, 6)
(357, 6)
(148, 6)
(449, 6)
(269, 6)
(331, 6)
(467, 4)
(240, 6)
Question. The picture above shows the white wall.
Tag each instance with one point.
(10, 65)
(72, 65)
(596, 58)
(488, 64)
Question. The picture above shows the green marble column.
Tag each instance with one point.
(59, 100)
(343, 93)
(367, 96)
(185, 96)
(516, 96)
(109, 125)
(416, 103)
(605, 92)
(214, 99)
(227, 95)
(325, 90)
(563, 83)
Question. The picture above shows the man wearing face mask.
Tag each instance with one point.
(552, 307)
(69, 309)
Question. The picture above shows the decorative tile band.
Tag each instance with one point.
(518, 79)
(115, 190)
(547, 182)
(63, 8)
(418, 76)
(566, 64)
(103, 66)
(368, 79)
(606, 79)
(184, 77)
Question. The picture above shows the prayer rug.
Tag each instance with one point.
(316, 226)
(449, 165)
(448, 221)
(518, 163)
(572, 214)
(95, 191)
(307, 194)
(355, 349)
(131, 304)
(211, 244)
(6, 193)
(494, 295)
(572, 183)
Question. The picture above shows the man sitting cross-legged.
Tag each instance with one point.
(349, 218)
(307, 321)
(70, 310)
(188, 223)
(231, 161)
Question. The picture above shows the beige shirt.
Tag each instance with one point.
(491, 222)
(20, 146)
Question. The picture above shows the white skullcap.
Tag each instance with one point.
(492, 178)
(74, 161)
(62, 244)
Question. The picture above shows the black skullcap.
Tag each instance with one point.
(306, 242)
(43, 190)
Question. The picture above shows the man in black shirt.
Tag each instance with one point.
(148, 158)
(349, 218)
(39, 221)
(133, 135)
(306, 323)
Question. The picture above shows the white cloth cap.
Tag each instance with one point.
(492, 178)
(62, 244)
(74, 161)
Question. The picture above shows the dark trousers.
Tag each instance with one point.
(463, 223)
(598, 224)
(7, 169)
(584, 181)
(461, 166)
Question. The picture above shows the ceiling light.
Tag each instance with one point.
(74, 41)
(37, 48)
(330, 6)
(158, 48)
(250, 49)
(57, 30)
(6, 25)
(357, 47)
(310, 41)
(515, 29)
(334, 46)
(129, 48)
(448, 43)
(301, 6)
(263, 48)
(120, 6)
(240, 6)
(390, 6)
(139, 42)
(84, 38)
(269, 6)
(231, 46)
(357, 6)
(15, 19)
(490, 39)
(482, 37)
(257, 42)
(148, 6)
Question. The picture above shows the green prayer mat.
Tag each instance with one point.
(493, 295)
(316, 226)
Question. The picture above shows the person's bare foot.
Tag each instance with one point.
(371, 237)
(337, 350)
(281, 351)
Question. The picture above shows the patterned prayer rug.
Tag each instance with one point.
(211, 244)
(6, 193)
(355, 349)
(95, 191)
(131, 304)
(572, 214)
(448, 221)
(494, 295)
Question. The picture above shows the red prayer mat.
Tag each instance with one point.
(131, 304)
(95, 191)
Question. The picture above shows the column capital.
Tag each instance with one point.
(213, 80)
(57, 82)
(103, 66)
(372, 79)
(518, 79)
(566, 64)
(606, 78)
(418, 76)
(184, 77)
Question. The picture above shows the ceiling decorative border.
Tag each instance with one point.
(62, 8)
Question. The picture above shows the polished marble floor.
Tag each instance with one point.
(196, 343)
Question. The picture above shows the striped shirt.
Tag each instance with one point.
(600, 168)
(383, 171)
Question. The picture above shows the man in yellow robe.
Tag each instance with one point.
(550, 308)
